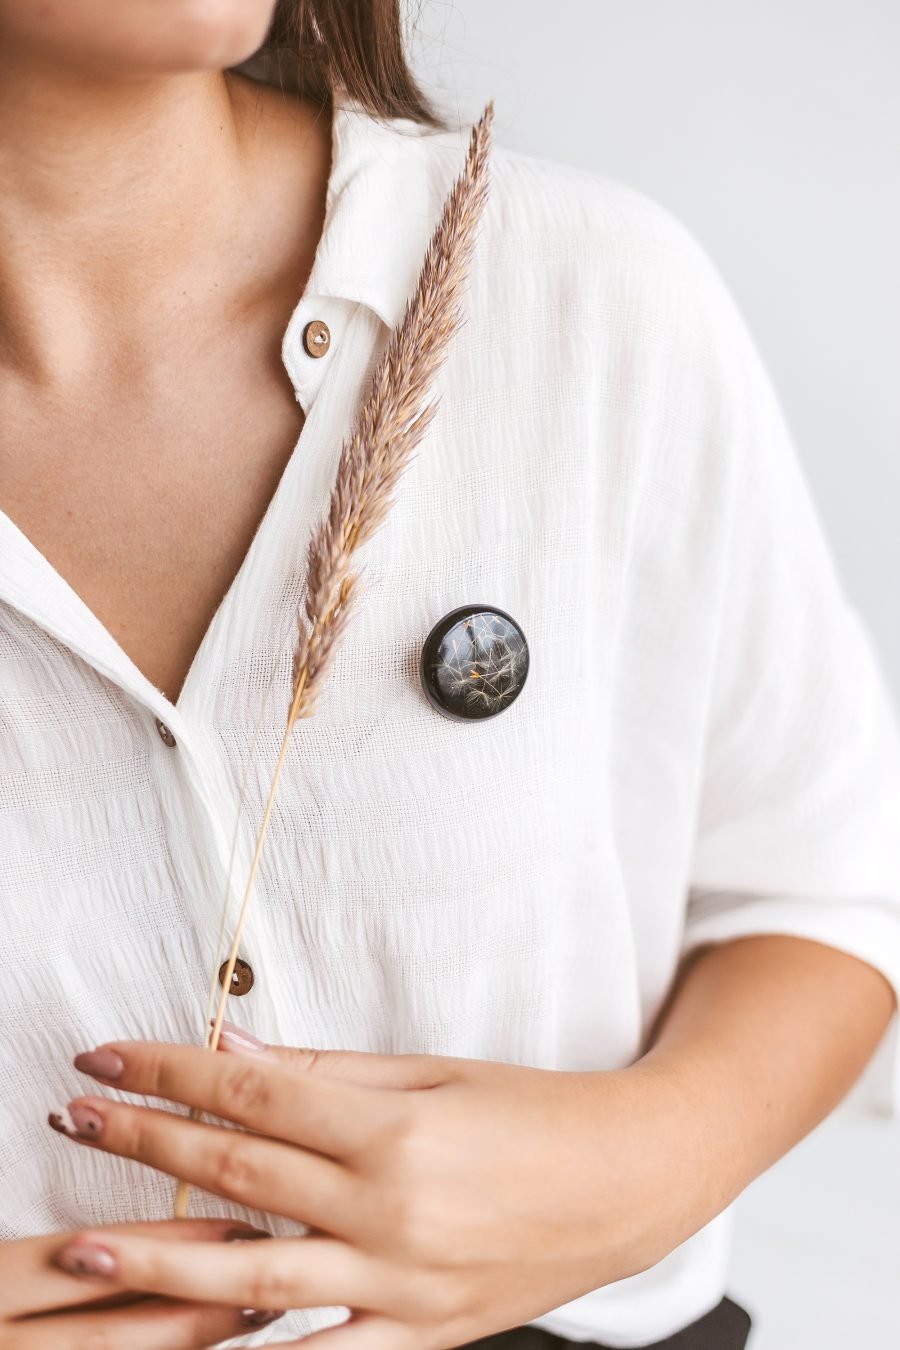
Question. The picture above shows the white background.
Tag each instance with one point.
(772, 130)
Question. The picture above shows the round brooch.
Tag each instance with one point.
(474, 663)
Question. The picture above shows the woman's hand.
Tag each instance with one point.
(449, 1198)
(41, 1306)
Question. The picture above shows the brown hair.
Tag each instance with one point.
(355, 46)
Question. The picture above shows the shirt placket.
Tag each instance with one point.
(193, 779)
(328, 387)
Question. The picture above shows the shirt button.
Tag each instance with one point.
(241, 978)
(316, 338)
(165, 733)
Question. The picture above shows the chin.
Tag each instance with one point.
(134, 38)
(209, 34)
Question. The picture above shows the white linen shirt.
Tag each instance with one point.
(704, 747)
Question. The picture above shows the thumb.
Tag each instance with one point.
(356, 1066)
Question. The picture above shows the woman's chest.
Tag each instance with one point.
(432, 884)
(415, 864)
(145, 498)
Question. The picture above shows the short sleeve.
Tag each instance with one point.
(798, 818)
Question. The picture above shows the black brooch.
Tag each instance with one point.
(474, 662)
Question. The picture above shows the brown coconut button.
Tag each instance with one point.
(241, 977)
(165, 734)
(316, 338)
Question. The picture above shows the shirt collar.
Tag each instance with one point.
(384, 199)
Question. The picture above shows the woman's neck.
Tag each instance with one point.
(122, 205)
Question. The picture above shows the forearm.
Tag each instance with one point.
(760, 1039)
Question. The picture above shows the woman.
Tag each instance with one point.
(568, 977)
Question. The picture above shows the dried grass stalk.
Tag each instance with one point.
(388, 428)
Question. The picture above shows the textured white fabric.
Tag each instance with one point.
(704, 747)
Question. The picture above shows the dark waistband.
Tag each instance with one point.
(725, 1327)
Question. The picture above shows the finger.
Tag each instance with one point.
(403, 1072)
(144, 1326)
(250, 1169)
(304, 1272)
(335, 1118)
(353, 1066)
(363, 1332)
(33, 1283)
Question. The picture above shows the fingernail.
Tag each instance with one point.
(86, 1258)
(77, 1121)
(240, 1042)
(104, 1064)
(258, 1317)
(61, 1122)
(245, 1235)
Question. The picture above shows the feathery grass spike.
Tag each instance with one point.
(389, 426)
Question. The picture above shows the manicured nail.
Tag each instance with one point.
(77, 1121)
(240, 1042)
(61, 1122)
(245, 1235)
(88, 1122)
(105, 1064)
(258, 1317)
(86, 1258)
